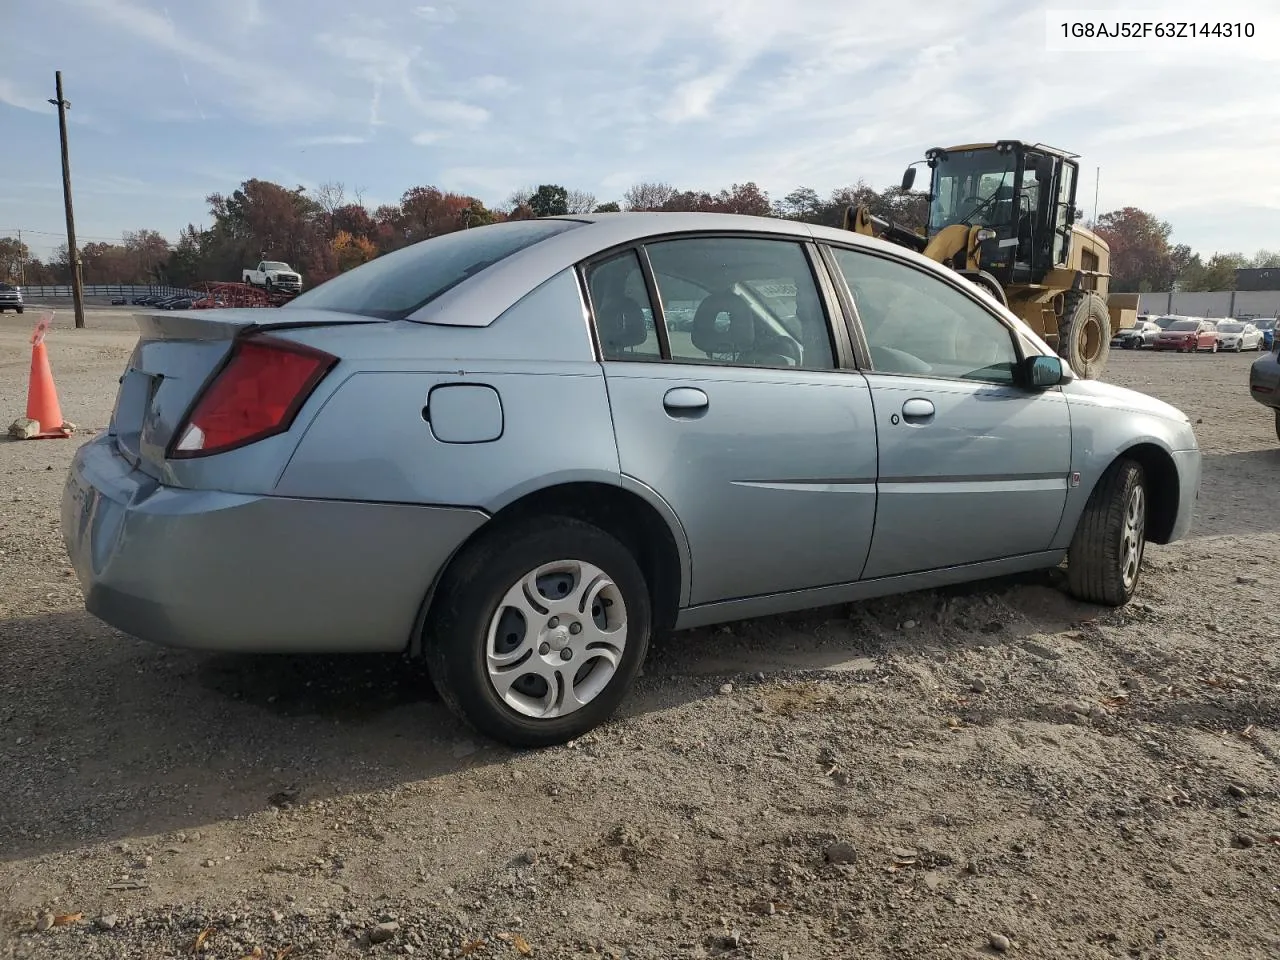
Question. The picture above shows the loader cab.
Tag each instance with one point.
(1025, 194)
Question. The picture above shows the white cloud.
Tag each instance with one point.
(265, 91)
(21, 98)
(436, 14)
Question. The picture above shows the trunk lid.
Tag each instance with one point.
(176, 355)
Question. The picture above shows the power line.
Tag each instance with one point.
(55, 233)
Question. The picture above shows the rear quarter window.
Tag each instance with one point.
(396, 284)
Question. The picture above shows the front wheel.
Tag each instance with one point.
(538, 631)
(1104, 561)
(1239, 346)
(1084, 333)
(1278, 424)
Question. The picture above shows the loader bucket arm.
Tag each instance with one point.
(860, 219)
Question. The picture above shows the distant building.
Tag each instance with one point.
(1258, 278)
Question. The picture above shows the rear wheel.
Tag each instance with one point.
(538, 630)
(1104, 561)
(1278, 424)
(1084, 339)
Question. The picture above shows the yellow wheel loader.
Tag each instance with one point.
(1004, 215)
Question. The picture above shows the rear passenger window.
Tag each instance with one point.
(741, 301)
(622, 309)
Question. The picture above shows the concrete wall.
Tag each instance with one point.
(1220, 303)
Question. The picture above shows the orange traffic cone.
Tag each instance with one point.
(44, 415)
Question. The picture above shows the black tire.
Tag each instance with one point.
(1084, 333)
(1098, 558)
(1239, 346)
(469, 597)
(1278, 424)
(20, 309)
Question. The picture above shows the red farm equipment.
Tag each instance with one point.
(214, 294)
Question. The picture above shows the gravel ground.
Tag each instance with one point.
(983, 771)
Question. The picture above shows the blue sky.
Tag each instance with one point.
(174, 99)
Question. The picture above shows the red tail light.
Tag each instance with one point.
(256, 395)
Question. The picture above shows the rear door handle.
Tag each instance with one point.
(685, 402)
(917, 410)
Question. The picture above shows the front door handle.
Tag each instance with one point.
(917, 410)
(685, 402)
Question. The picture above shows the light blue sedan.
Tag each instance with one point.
(492, 450)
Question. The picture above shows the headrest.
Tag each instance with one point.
(723, 323)
(620, 320)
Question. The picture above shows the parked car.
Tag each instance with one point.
(1264, 382)
(1141, 334)
(1239, 335)
(1188, 335)
(119, 302)
(355, 486)
(1267, 327)
(11, 298)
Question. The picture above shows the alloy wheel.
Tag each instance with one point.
(1132, 536)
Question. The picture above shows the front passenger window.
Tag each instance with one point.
(918, 324)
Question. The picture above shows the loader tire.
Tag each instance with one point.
(1084, 335)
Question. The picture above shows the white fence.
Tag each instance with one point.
(1244, 304)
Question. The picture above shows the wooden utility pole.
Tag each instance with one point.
(73, 252)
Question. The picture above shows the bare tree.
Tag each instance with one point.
(518, 198)
(648, 196)
(330, 195)
(581, 201)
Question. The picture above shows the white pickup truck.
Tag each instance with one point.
(274, 275)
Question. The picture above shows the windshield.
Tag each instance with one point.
(1265, 324)
(1231, 327)
(1184, 325)
(274, 265)
(972, 186)
(396, 284)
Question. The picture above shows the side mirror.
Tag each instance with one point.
(1041, 372)
(908, 178)
(1044, 169)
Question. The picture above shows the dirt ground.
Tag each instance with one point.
(987, 770)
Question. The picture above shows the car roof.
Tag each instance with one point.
(485, 296)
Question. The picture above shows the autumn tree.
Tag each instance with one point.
(14, 256)
(1141, 258)
(354, 219)
(350, 251)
